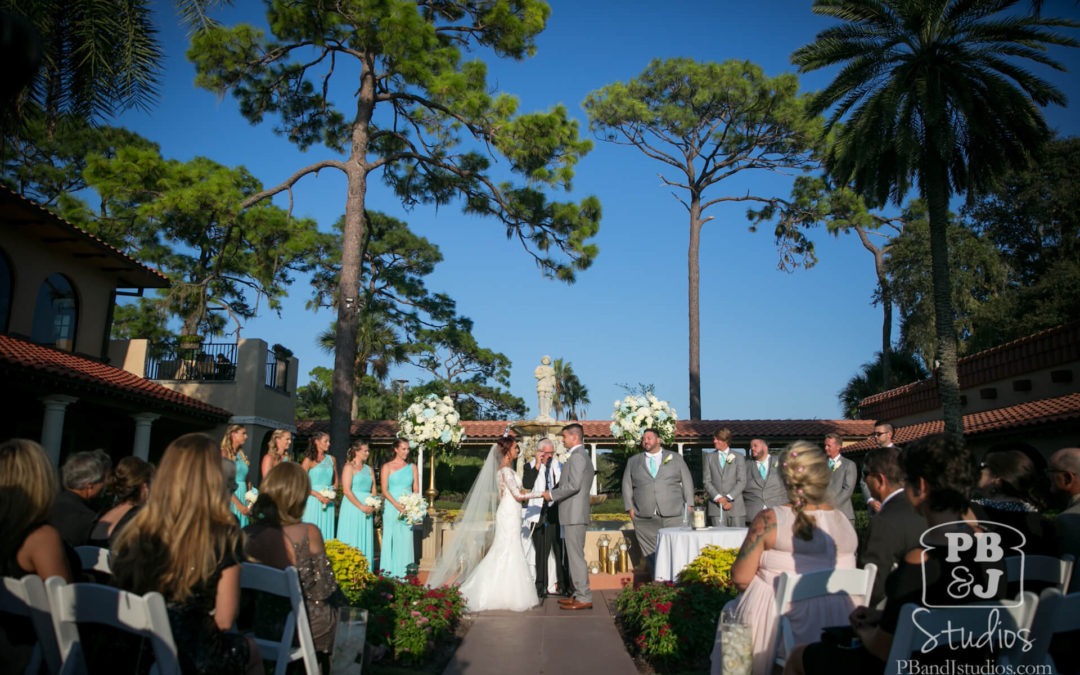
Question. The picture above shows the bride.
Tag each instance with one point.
(500, 578)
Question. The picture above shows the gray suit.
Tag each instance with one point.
(572, 495)
(657, 502)
(763, 494)
(728, 481)
(894, 531)
(842, 485)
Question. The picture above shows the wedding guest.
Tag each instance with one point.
(129, 485)
(897, 528)
(805, 534)
(73, 512)
(883, 436)
(764, 488)
(725, 480)
(185, 544)
(1012, 493)
(398, 477)
(322, 472)
(843, 478)
(277, 450)
(1064, 471)
(356, 524)
(278, 538)
(28, 543)
(232, 449)
(939, 476)
(657, 492)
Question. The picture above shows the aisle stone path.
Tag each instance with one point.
(545, 640)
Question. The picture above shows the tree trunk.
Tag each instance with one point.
(936, 192)
(348, 292)
(886, 321)
(694, 278)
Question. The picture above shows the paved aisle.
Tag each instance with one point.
(544, 640)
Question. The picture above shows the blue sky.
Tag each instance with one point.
(774, 345)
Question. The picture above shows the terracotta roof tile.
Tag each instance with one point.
(1029, 414)
(1044, 349)
(27, 359)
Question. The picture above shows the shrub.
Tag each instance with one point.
(410, 618)
(351, 569)
(713, 565)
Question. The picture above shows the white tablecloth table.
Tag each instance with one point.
(676, 547)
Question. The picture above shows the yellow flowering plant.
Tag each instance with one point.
(351, 569)
(712, 566)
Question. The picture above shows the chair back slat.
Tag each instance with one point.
(286, 584)
(26, 597)
(1057, 613)
(1041, 568)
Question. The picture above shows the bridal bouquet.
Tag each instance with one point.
(634, 414)
(374, 502)
(250, 496)
(415, 508)
(431, 421)
(329, 493)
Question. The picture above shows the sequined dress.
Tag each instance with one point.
(321, 594)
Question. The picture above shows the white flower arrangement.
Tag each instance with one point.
(328, 492)
(374, 502)
(250, 496)
(415, 508)
(529, 445)
(432, 422)
(634, 414)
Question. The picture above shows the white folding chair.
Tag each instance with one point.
(284, 583)
(1056, 613)
(26, 597)
(142, 615)
(95, 558)
(916, 623)
(1041, 568)
(795, 587)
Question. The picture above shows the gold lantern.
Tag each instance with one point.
(604, 544)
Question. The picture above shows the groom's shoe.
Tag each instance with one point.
(576, 605)
(566, 601)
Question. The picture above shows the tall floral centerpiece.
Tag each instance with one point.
(432, 422)
(634, 414)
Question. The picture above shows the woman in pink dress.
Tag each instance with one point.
(805, 535)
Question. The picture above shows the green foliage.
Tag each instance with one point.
(904, 368)
(409, 618)
(351, 569)
(313, 398)
(672, 626)
(712, 566)
(570, 394)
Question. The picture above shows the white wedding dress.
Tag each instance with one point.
(501, 580)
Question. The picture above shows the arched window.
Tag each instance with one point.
(7, 290)
(56, 314)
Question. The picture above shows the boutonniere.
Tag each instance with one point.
(666, 460)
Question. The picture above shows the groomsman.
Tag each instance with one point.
(657, 491)
(572, 495)
(844, 477)
(764, 487)
(883, 436)
(725, 479)
(544, 471)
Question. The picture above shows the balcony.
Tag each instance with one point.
(206, 361)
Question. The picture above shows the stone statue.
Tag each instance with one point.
(545, 387)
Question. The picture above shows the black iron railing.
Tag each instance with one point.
(277, 371)
(186, 361)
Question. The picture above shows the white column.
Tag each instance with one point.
(420, 466)
(141, 447)
(52, 424)
(592, 446)
(680, 448)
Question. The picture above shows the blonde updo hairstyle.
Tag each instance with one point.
(804, 468)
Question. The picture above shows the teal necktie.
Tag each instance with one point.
(652, 466)
(832, 464)
(761, 469)
(723, 459)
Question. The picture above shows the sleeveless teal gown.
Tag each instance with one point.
(355, 527)
(242, 469)
(322, 476)
(397, 541)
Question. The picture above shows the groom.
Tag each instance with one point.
(572, 495)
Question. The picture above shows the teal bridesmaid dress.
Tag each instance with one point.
(355, 527)
(397, 540)
(242, 468)
(322, 476)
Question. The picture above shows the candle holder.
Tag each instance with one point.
(624, 556)
(612, 558)
(603, 544)
(594, 567)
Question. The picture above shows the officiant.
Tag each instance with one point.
(543, 517)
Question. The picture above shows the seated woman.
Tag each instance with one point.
(28, 544)
(185, 544)
(278, 538)
(129, 485)
(939, 476)
(805, 535)
(1013, 491)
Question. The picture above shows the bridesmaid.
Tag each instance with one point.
(277, 450)
(398, 478)
(232, 448)
(355, 525)
(322, 471)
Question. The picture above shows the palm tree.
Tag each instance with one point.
(576, 396)
(935, 94)
(378, 348)
(904, 368)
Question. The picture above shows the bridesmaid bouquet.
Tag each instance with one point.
(250, 496)
(374, 502)
(329, 493)
(415, 508)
